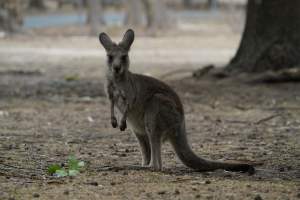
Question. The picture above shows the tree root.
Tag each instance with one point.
(284, 75)
(211, 70)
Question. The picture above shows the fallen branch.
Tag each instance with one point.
(266, 119)
(172, 73)
(203, 71)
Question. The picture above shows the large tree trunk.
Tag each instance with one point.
(271, 38)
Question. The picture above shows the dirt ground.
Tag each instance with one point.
(52, 105)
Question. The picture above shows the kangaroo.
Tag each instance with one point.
(153, 111)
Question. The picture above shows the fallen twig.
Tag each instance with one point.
(266, 119)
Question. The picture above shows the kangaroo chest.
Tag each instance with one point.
(124, 95)
(120, 99)
(121, 94)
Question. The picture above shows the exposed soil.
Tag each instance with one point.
(47, 115)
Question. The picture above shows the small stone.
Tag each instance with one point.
(94, 183)
(207, 182)
(209, 197)
(161, 192)
(197, 196)
(194, 188)
(112, 183)
(258, 197)
(115, 170)
(36, 195)
(281, 169)
(66, 192)
(176, 192)
(227, 175)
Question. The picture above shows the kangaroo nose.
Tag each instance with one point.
(117, 69)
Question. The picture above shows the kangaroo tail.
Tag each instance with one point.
(191, 160)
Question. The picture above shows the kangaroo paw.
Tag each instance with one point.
(114, 122)
(123, 125)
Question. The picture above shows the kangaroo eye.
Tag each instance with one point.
(124, 58)
(110, 58)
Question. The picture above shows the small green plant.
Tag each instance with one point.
(71, 78)
(73, 168)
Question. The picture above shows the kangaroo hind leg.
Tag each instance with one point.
(145, 148)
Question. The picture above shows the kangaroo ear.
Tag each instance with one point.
(105, 40)
(127, 39)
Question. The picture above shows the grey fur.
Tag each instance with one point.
(152, 109)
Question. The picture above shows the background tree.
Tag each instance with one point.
(135, 13)
(212, 4)
(38, 4)
(11, 16)
(156, 14)
(151, 13)
(95, 16)
(271, 38)
(187, 3)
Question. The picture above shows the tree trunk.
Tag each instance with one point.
(11, 16)
(271, 38)
(135, 13)
(187, 3)
(38, 4)
(156, 14)
(95, 16)
(212, 4)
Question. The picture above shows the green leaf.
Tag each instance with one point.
(81, 164)
(73, 172)
(61, 173)
(53, 168)
(73, 168)
(73, 163)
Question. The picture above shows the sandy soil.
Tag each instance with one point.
(52, 105)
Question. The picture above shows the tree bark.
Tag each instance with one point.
(271, 38)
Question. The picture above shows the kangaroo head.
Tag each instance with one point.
(117, 54)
